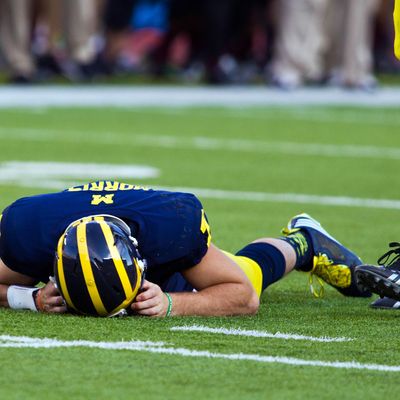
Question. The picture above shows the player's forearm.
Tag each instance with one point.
(218, 300)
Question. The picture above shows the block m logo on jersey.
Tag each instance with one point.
(98, 199)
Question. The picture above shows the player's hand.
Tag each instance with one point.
(49, 300)
(151, 301)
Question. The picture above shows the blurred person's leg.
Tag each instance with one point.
(116, 18)
(299, 42)
(181, 41)
(80, 23)
(218, 18)
(15, 37)
(351, 46)
(47, 38)
(357, 56)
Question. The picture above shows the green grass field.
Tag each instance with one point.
(249, 155)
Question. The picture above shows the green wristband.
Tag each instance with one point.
(169, 309)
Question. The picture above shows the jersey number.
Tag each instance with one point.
(205, 227)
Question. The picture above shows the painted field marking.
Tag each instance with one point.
(202, 143)
(258, 334)
(59, 176)
(7, 341)
(341, 201)
(32, 342)
(178, 96)
(34, 171)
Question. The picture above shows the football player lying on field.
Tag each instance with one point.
(115, 248)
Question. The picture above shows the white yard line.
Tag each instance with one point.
(179, 96)
(340, 201)
(13, 171)
(7, 341)
(258, 334)
(231, 195)
(203, 143)
(58, 176)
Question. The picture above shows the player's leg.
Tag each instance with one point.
(307, 247)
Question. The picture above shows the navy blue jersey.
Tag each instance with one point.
(170, 227)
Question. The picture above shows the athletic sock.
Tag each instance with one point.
(302, 245)
(268, 258)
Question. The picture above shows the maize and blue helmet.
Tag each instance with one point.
(98, 269)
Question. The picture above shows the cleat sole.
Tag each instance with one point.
(379, 284)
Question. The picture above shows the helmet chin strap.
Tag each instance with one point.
(119, 314)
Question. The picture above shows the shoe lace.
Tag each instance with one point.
(391, 259)
(324, 270)
(287, 231)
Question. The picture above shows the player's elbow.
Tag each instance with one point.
(252, 301)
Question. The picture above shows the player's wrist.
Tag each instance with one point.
(22, 297)
(169, 305)
(37, 297)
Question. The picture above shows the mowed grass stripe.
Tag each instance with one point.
(160, 348)
(362, 117)
(201, 143)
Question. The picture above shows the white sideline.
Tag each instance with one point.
(181, 96)
(259, 334)
(7, 341)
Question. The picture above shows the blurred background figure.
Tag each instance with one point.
(23, 20)
(134, 29)
(15, 39)
(350, 35)
(300, 43)
(69, 46)
(383, 41)
(297, 42)
(324, 41)
(396, 20)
